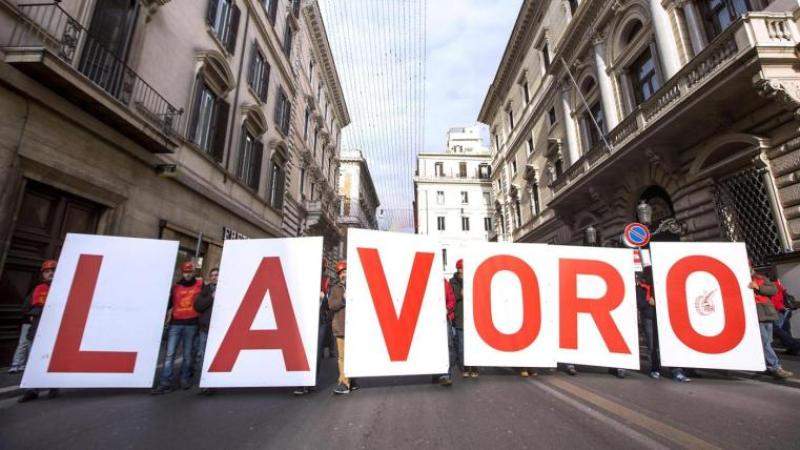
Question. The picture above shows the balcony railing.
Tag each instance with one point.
(48, 25)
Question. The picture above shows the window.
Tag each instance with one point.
(440, 223)
(535, 207)
(250, 153)
(440, 197)
(444, 257)
(573, 6)
(438, 169)
(462, 170)
(487, 198)
(551, 116)
(288, 36)
(310, 68)
(277, 182)
(209, 121)
(283, 111)
(464, 197)
(484, 171)
(513, 167)
(487, 223)
(644, 76)
(271, 7)
(510, 119)
(465, 224)
(526, 92)
(517, 215)
(595, 129)
(530, 146)
(316, 138)
(223, 17)
(496, 142)
(258, 75)
(305, 124)
(559, 167)
(718, 15)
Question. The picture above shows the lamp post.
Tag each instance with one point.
(590, 236)
(644, 212)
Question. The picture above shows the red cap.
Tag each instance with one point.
(187, 267)
(460, 264)
(50, 264)
(340, 266)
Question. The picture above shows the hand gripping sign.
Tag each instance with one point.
(101, 325)
(510, 305)
(597, 307)
(395, 313)
(265, 321)
(706, 313)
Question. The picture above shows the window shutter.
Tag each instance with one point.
(251, 69)
(231, 44)
(287, 113)
(198, 91)
(211, 13)
(265, 82)
(220, 130)
(241, 161)
(273, 11)
(278, 107)
(258, 156)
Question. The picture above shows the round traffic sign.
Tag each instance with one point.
(637, 235)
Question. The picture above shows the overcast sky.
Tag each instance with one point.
(466, 39)
(397, 109)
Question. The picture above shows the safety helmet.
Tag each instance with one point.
(340, 266)
(460, 264)
(50, 264)
(187, 267)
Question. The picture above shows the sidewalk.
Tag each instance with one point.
(9, 383)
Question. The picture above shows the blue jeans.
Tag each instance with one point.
(459, 348)
(766, 341)
(200, 349)
(178, 334)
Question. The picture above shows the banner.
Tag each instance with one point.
(102, 322)
(265, 321)
(706, 313)
(598, 321)
(396, 318)
(510, 305)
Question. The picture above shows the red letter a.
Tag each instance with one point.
(397, 332)
(67, 353)
(286, 337)
(600, 309)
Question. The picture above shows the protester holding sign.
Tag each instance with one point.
(450, 302)
(205, 306)
(325, 335)
(791, 344)
(337, 304)
(33, 309)
(457, 283)
(183, 322)
(764, 289)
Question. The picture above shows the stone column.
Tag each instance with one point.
(569, 126)
(665, 39)
(693, 22)
(604, 82)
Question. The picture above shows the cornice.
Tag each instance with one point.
(324, 57)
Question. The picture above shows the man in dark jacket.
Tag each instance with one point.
(325, 335)
(457, 283)
(34, 305)
(204, 305)
(645, 302)
(337, 303)
(763, 290)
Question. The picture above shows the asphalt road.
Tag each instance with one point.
(497, 410)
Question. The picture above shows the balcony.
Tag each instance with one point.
(471, 176)
(54, 48)
(720, 85)
(320, 220)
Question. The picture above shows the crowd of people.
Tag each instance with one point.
(191, 304)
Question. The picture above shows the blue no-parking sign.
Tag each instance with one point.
(636, 235)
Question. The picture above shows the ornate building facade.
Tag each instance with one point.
(359, 201)
(173, 119)
(689, 106)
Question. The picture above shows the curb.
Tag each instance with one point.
(764, 378)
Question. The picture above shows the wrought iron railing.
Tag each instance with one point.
(50, 26)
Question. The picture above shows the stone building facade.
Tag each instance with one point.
(358, 199)
(691, 106)
(452, 193)
(172, 119)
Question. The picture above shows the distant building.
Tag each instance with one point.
(359, 201)
(453, 193)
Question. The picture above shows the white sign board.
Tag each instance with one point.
(598, 321)
(265, 321)
(102, 322)
(510, 305)
(706, 313)
(396, 318)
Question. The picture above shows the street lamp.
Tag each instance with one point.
(590, 235)
(644, 212)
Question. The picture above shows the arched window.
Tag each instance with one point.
(590, 110)
(251, 149)
(718, 15)
(209, 114)
(277, 178)
(634, 52)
